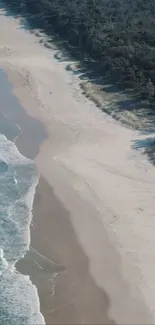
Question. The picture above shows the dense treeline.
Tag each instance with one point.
(118, 34)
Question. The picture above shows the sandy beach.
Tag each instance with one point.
(93, 214)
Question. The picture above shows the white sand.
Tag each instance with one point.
(108, 187)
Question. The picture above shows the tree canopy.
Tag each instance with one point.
(119, 35)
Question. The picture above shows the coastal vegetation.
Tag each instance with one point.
(118, 36)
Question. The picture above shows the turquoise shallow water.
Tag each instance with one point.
(19, 302)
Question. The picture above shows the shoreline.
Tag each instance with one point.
(85, 179)
(38, 262)
(14, 126)
(53, 277)
(69, 303)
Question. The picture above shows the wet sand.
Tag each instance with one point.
(76, 298)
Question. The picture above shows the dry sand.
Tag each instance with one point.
(104, 235)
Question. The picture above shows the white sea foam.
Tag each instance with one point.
(3, 262)
(18, 180)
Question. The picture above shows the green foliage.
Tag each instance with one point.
(118, 34)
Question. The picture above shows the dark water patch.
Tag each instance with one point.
(14, 121)
(3, 166)
(111, 89)
(7, 127)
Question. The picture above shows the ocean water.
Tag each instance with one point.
(19, 302)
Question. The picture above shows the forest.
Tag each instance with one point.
(118, 35)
